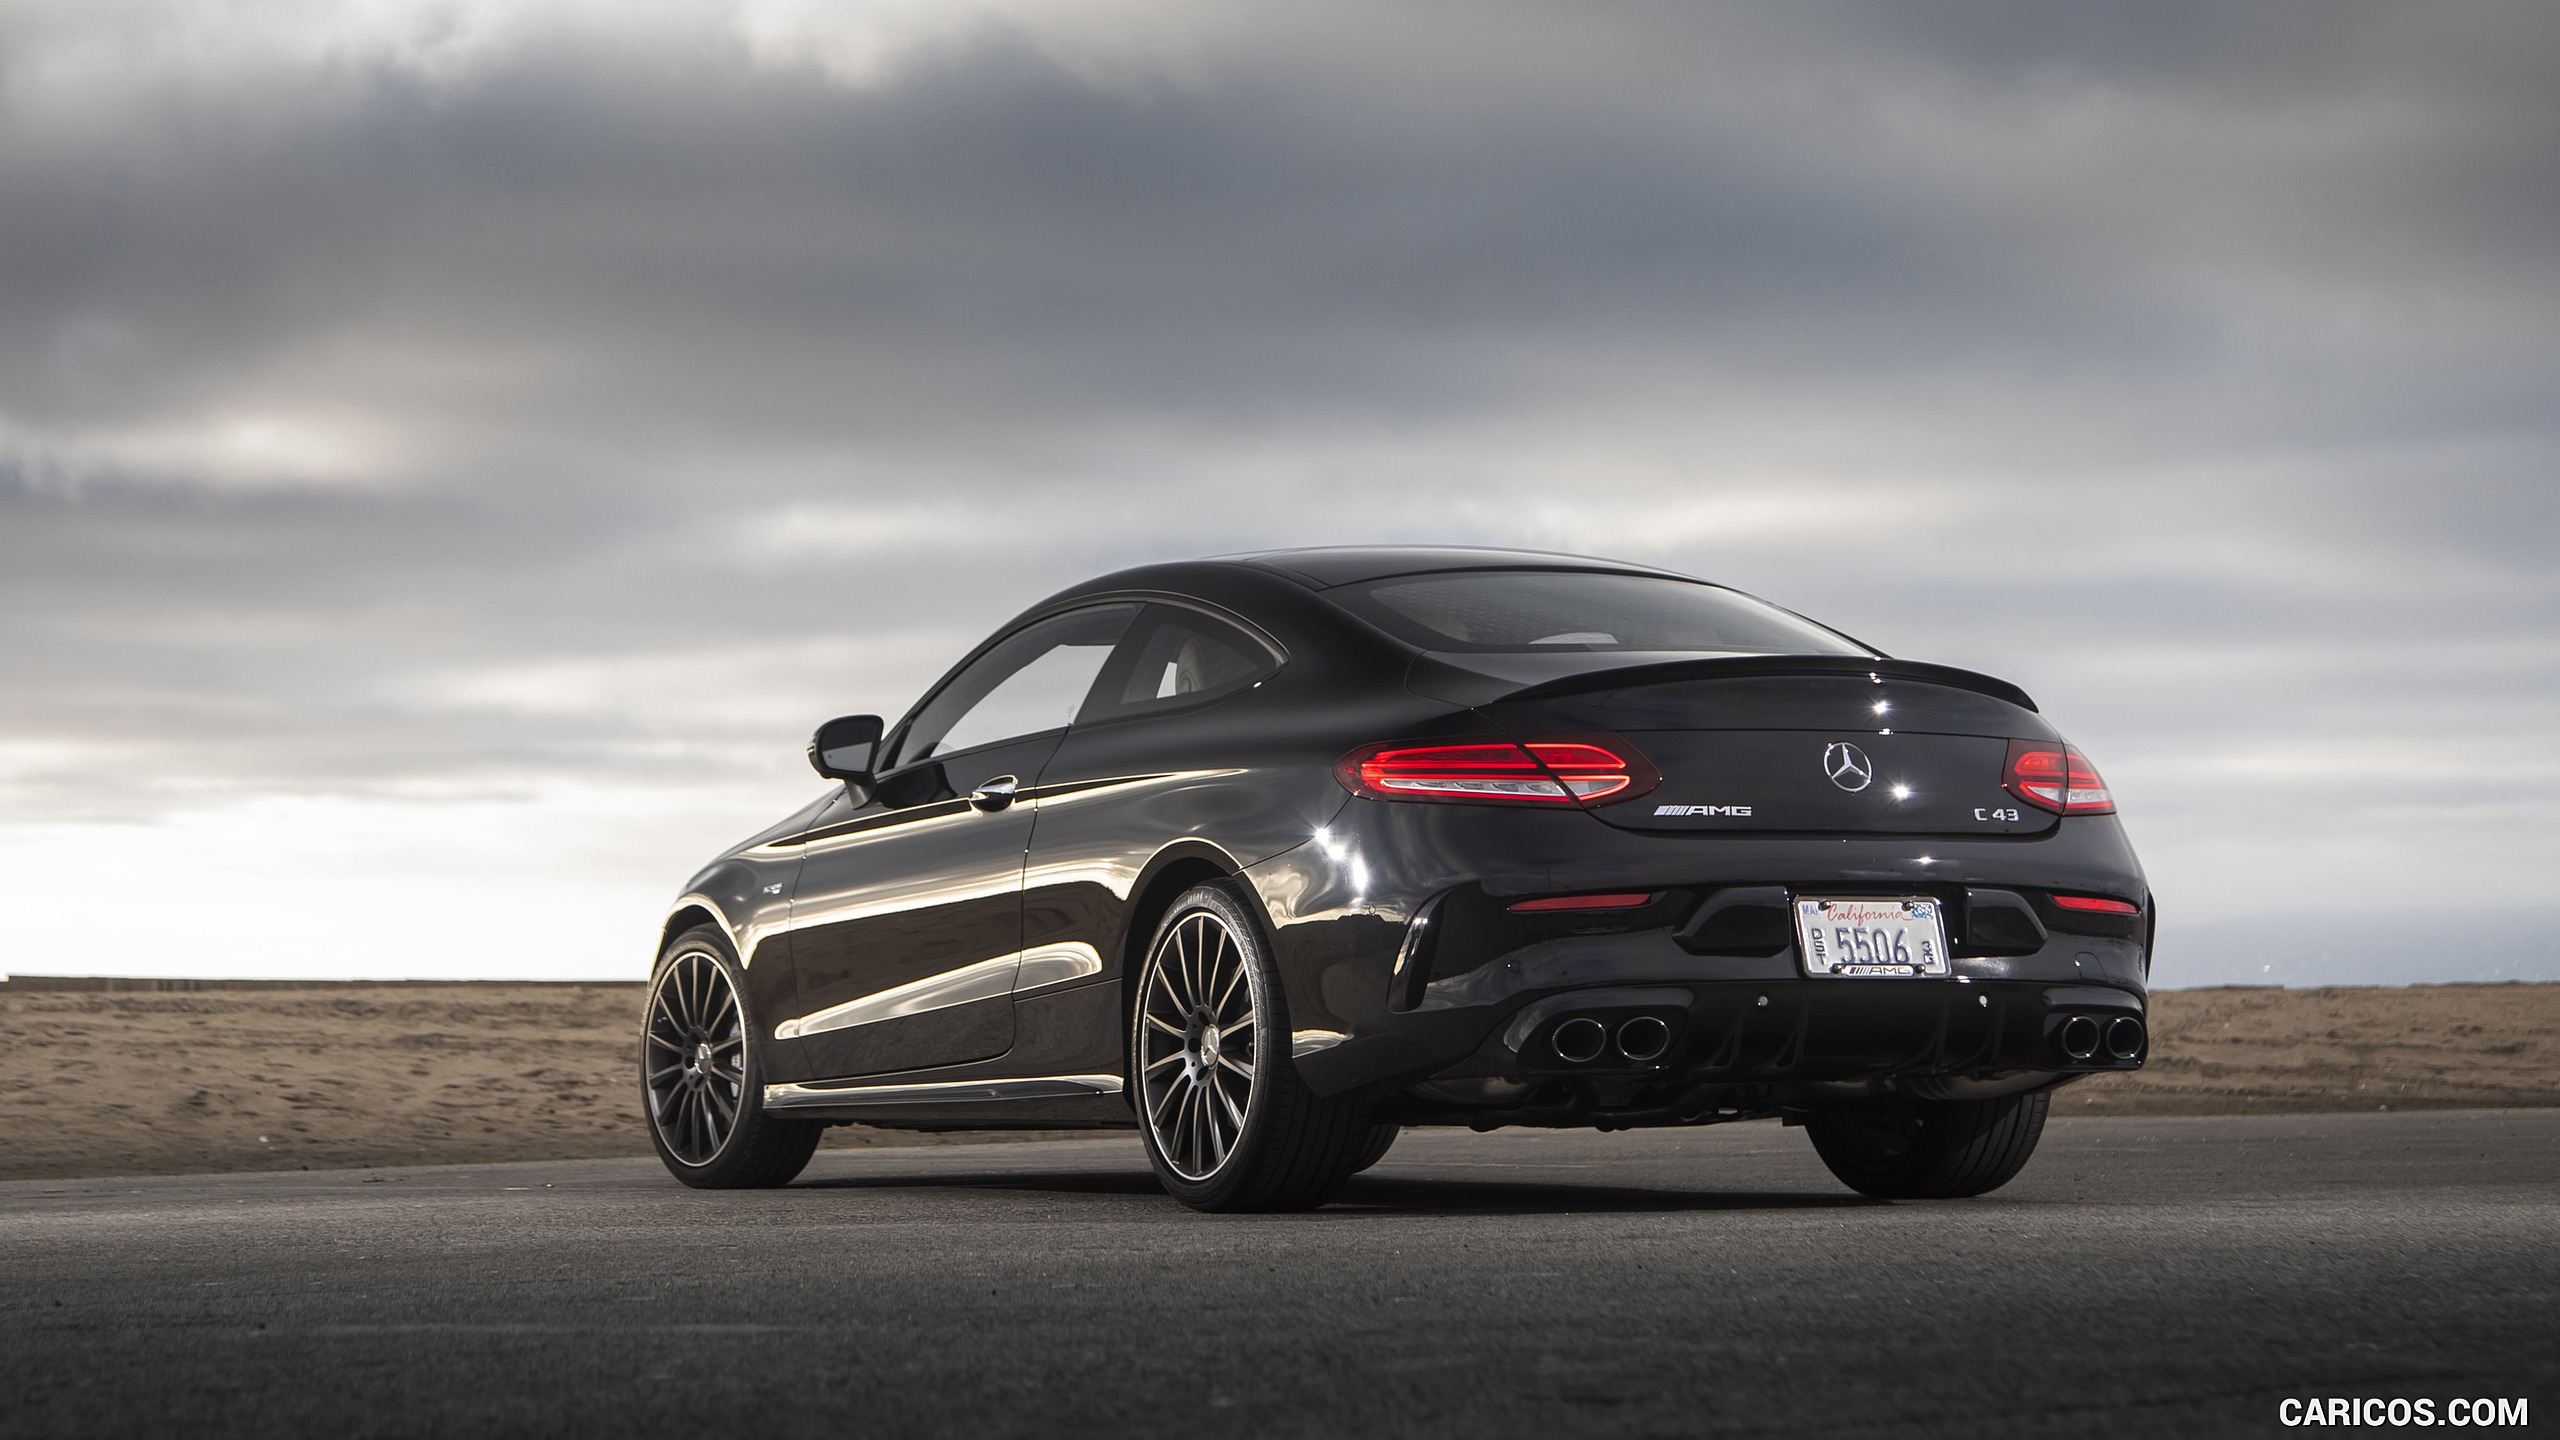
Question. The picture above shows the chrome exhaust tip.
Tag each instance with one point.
(2079, 1037)
(1644, 1038)
(2124, 1037)
(1578, 1041)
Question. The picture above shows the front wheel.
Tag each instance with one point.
(1930, 1149)
(700, 1082)
(1227, 1122)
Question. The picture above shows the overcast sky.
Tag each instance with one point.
(451, 453)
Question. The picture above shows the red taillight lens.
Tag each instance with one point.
(1575, 770)
(2057, 778)
(2097, 904)
(1595, 772)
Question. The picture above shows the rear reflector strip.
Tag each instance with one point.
(1585, 902)
(2098, 904)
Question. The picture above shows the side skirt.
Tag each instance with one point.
(1034, 1102)
(939, 1092)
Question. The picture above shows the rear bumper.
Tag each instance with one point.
(1783, 1033)
(1380, 1003)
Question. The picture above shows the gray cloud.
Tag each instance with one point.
(451, 405)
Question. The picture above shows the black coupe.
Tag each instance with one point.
(1273, 855)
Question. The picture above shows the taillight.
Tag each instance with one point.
(2057, 778)
(1575, 770)
(2097, 904)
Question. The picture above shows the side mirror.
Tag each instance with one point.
(846, 748)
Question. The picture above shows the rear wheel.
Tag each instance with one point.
(1930, 1149)
(1227, 1122)
(700, 1082)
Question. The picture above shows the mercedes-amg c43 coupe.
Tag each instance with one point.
(1271, 856)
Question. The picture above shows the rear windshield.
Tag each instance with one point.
(1554, 610)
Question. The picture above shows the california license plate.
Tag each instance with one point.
(1894, 938)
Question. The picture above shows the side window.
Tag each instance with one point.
(1174, 657)
(1033, 680)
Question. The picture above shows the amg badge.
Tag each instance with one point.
(1743, 811)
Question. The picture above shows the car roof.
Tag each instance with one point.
(1325, 566)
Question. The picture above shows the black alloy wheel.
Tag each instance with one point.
(1904, 1149)
(1227, 1122)
(698, 1077)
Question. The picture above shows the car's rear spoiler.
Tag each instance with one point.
(1730, 666)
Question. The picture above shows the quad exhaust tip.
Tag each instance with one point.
(2124, 1037)
(1578, 1041)
(2080, 1037)
(1644, 1038)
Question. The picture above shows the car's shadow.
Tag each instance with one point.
(1380, 1194)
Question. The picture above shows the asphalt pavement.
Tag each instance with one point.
(2170, 1277)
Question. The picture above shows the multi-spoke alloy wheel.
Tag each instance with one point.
(1197, 1052)
(698, 1077)
(697, 1061)
(1229, 1124)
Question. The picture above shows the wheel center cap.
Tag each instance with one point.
(1209, 1047)
(702, 1056)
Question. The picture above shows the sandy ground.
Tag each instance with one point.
(2251, 1051)
(343, 1075)
(167, 1083)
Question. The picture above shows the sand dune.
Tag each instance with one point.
(129, 1083)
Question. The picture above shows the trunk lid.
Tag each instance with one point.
(1801, 745)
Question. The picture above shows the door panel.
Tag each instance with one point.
(908, 926)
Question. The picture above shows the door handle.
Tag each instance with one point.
(994, 794)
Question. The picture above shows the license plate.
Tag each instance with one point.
(1895, 938)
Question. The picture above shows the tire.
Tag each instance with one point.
(1931, 1149)
(1227, 1123)
(1382, 1138)
(701, 1084)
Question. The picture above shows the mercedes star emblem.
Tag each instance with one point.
(1848, 766)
